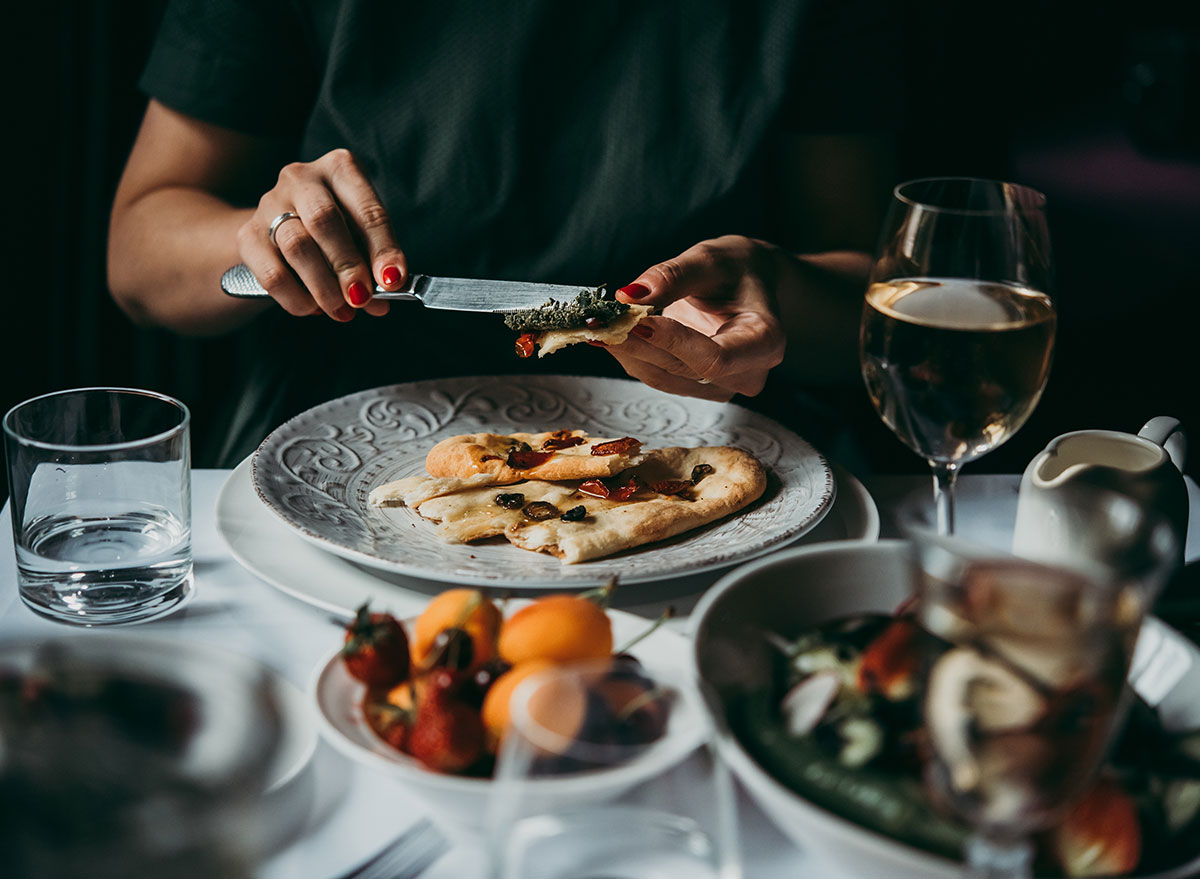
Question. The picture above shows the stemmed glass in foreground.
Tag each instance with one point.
(958, 325)
(606, 772)
(1025, 689)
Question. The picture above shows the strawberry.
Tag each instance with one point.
(447, 734)
(376, 649)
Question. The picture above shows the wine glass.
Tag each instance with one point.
(606, 772)
(958, 324)
(1025, 686)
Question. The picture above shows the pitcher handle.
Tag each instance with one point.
(1168, 433)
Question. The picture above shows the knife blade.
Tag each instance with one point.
(454, 294)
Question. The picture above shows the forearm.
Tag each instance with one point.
(820, 305)
(167, 250)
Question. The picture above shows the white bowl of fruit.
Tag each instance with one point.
(808, 666)
(426, 700)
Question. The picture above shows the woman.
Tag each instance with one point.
(655, 147)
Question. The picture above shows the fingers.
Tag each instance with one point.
(643, 345)
(717, 322)
(275, 276)
(368, 215)
(664, 380)
(705, 269)
(340, 245)
(737, 356)
(638, 359)
(321, 252)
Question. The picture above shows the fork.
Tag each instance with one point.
(406, 856)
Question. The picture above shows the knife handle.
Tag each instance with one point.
(239, 281)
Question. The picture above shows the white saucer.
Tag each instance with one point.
(290, 781)
(266, 547)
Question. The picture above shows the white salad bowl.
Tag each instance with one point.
(791, 592)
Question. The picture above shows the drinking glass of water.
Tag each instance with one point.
(100, 486)
(605, 772)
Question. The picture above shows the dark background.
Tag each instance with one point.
(1097, 106)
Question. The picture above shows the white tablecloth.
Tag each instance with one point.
(354, 812)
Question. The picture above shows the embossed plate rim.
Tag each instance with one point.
(314, 471)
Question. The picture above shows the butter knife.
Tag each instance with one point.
(455, 294)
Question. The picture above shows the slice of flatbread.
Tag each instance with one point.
(614, 334)
(555, 455)
(413, 490)
(474, 514)
(606, 526)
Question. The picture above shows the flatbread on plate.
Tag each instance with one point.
(554, 455)
(704, 484)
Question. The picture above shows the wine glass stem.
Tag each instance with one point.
(944, 477)
(994, 859)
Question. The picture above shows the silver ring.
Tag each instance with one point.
(277, 222)
(703, 381)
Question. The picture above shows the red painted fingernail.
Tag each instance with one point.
(390, 275)
(358, 294)
(643, 331)
(635, 291)
(344, 313)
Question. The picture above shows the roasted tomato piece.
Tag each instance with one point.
(561, 439)
(626, 489)
(1101, 835)
(671, 486)
(594, 487)
(526, 344)
(890, 663)
(523, 459)
(620, 446)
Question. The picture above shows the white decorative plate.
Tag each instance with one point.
(316, 471)
(270, 550)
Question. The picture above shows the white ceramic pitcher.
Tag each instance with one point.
(1147, 467)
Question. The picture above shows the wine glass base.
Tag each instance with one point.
(579, 844)
(990, 859)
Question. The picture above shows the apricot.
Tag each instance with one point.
(466, 609)
(559, 707)
(560, 628)
(496, 701)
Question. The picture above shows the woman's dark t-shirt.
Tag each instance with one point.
(532, 140)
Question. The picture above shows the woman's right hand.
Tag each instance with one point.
(339, 245)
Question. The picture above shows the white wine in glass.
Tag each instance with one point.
(958, 324)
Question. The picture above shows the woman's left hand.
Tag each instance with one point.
(717, 331)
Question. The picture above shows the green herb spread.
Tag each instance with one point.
(555, 315)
